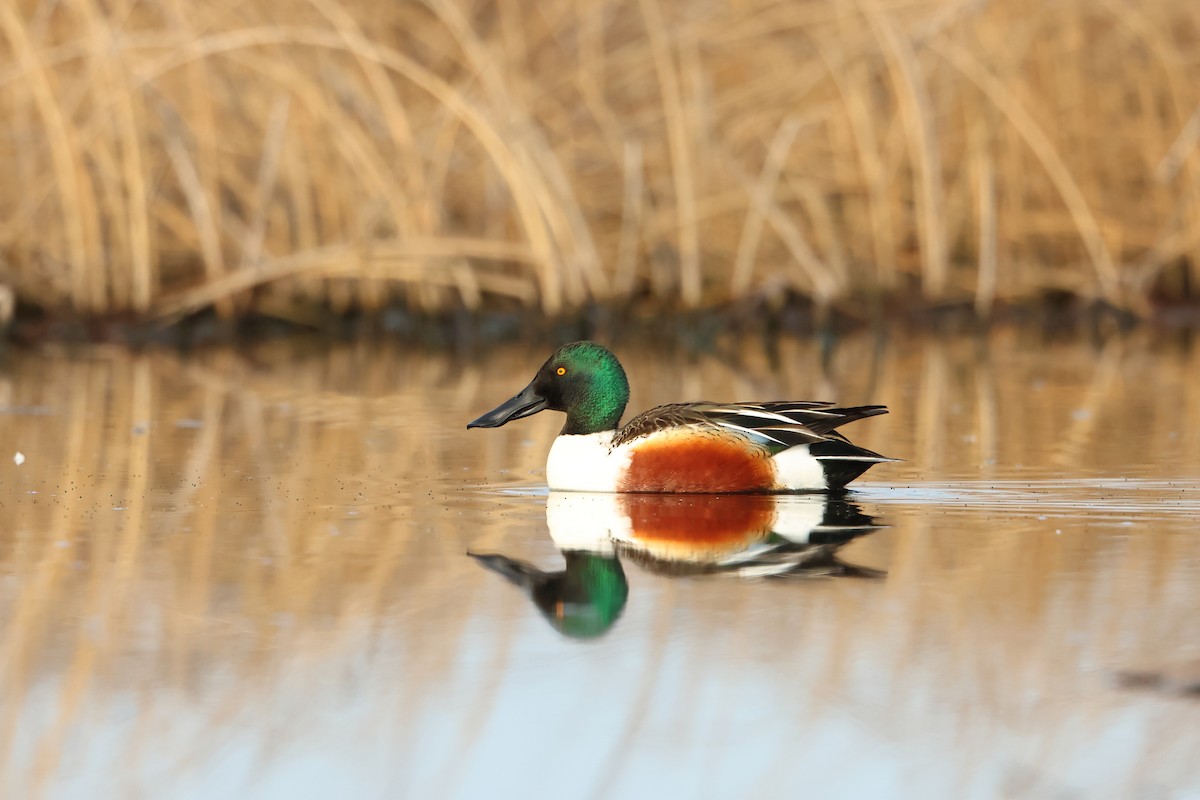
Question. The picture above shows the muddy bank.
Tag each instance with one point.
(472, 329)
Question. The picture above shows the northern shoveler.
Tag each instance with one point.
(682, 447)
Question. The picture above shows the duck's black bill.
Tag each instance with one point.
(523, 405)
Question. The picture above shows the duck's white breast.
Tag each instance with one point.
(584, 463)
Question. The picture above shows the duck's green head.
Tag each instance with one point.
(583, 379)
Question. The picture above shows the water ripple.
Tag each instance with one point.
(1108, 498)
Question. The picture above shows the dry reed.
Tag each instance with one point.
(166, 157)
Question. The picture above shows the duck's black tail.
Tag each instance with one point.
(843, 461)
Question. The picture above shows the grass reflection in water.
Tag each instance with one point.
(241, 573)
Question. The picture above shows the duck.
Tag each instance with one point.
(694, 447)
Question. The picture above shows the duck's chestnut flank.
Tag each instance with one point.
(712, 463)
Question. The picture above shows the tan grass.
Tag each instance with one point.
(168, 152)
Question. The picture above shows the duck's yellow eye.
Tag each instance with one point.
(561, 371)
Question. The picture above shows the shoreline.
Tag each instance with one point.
(462, 328)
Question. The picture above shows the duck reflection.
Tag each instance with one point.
(582, 601)
(748, 536)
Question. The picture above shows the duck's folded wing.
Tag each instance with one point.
(775, 425)
(820, 418)
(660, 418)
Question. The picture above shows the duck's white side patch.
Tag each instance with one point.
(798, 470)
(583, 463)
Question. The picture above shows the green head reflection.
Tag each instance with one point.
(582, 601)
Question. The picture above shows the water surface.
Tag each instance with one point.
(245, 573)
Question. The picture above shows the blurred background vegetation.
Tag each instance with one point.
(270, 156)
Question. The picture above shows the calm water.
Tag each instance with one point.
(246, 574)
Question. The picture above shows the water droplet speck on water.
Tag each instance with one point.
(19, 458)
